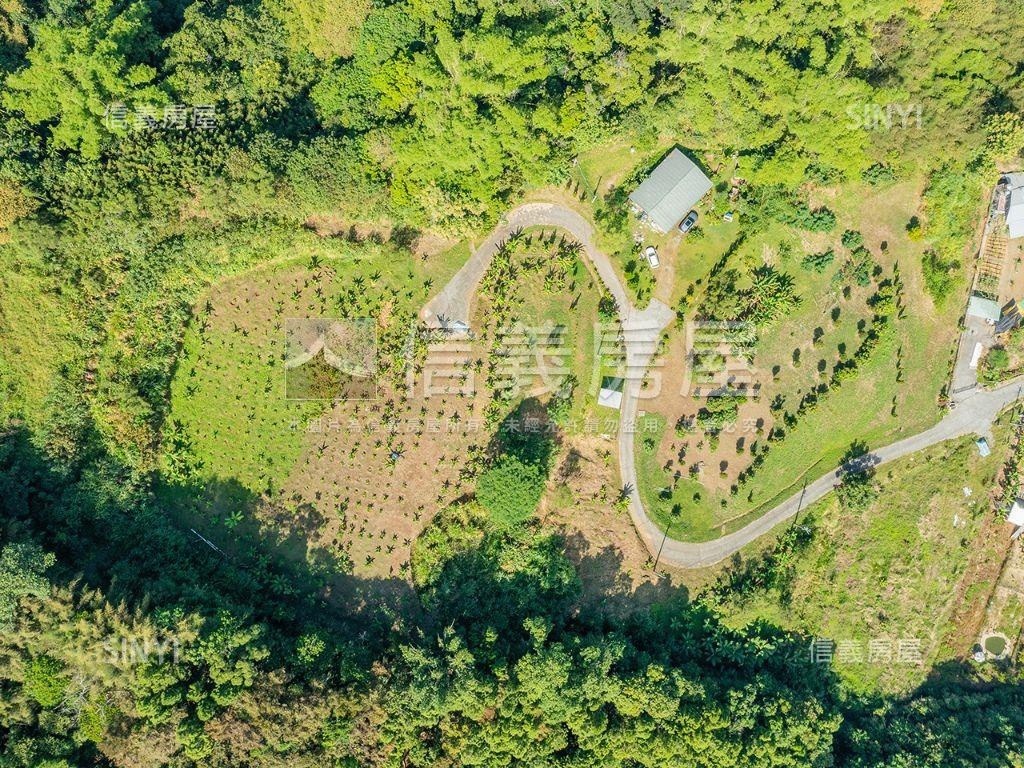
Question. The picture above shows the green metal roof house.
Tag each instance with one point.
(986, 309)
(674, 187)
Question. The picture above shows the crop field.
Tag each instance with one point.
(794, 420)
(351, 482)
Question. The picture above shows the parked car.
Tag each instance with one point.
(688, 222)
(652, 257)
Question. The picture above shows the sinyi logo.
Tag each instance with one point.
(124, 651)
(884, 117)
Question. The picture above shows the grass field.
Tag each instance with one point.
(35, 339)
(793, 355)
(892, 572)
(229, 391)
(573, 313)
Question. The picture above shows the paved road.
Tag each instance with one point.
(974, 413)
(454, 302)
(965, 378)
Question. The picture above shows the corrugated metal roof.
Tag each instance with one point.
(672, 189)
(1015, 211)
(1016, 515)
(984, 308)
(611, 392)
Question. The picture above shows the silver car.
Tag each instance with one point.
(688, 222)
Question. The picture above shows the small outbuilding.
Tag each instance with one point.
(983, 448)
(1011, 316)
(1015, 204)
(674, 187)
(984, 308)
(610, 395)
(1016, 515)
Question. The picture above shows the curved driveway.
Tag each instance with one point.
(974, 414)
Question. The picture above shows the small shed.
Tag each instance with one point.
(1016, 515)
(983, 448)
(984, 308)
(674, 187)
(1015, 204)
(610, 395)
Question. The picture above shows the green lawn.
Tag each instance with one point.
(653, 485)
(545, 309)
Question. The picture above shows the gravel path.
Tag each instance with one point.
(975, 411)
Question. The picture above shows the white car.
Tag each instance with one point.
(652, 257)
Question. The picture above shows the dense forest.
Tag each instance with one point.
(149, 148)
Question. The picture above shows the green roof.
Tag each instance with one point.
(978, 306)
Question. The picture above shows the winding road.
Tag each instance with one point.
(974, 413)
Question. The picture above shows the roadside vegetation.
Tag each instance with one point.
(881, 560)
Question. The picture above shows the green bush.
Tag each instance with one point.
(994, 365)
(856, 492)
(852, 239)
(45, 682)
(813, 220)
(453, 530)
(939, 275)
(718, 412)
(818, 262)
(878, 174)
(511, 490)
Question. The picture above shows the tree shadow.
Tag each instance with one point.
(528, 434)
(405, 237)
(857, 460)
(607, 587)
(153, 549)
(204, 546)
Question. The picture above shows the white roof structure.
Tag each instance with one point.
(610, 395)
(672, 189)
(983, 448)
(1015, 208)
(1016, 515)
(455, 327)
(979, 348)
